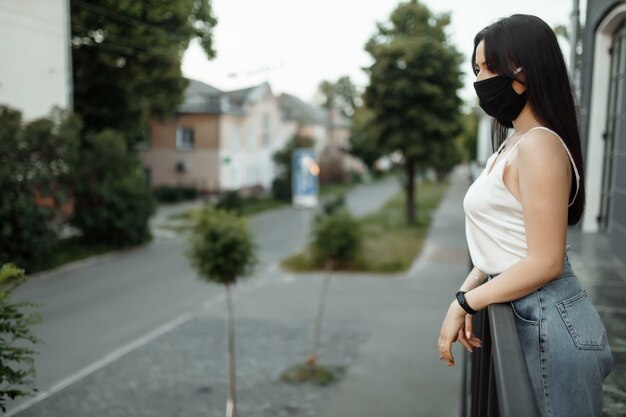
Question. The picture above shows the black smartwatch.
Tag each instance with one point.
(460, 297)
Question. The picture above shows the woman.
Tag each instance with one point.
(517, 212)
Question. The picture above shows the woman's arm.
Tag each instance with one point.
(473, 280)
(544, 172)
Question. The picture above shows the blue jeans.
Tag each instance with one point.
(565, 347)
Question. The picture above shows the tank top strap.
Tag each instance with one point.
(566, 149)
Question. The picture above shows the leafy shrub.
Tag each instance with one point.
(17, 372)
(113, 202)
(232, 201)
(337, 236)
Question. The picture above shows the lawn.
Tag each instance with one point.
(389, 244)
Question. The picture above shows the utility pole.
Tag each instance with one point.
(70, 70)
(573, 37)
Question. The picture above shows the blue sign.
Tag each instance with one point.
(305, 177)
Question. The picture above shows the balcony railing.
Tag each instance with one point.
(495, 378)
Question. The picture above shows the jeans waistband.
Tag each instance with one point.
(567, 269)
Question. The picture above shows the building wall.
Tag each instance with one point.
(247, 145)
(603, 17)
(35, 73)
(161, 155)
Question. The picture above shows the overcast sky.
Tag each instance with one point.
(294, 44)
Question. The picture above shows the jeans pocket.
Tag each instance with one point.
(583, 322)
(526, 309)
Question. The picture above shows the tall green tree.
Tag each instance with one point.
(413, 88)
(341, 95)
(364, 137)
(127, 58)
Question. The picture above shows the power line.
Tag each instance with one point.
(122, 42)
(124, 50)
(120, 17)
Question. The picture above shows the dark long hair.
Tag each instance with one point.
(527, 41)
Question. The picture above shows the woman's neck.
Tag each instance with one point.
(525, 121)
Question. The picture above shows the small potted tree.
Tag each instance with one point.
(336, 241)
(222, 251)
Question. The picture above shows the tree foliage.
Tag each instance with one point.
(113, 202)
(222, 249)
(413, 89)
(127, 56)
(468, 139)
(17, 373)
(341, 95)
(36, 159)
(364, 137)
(337, 236)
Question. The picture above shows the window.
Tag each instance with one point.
(184, 138)
(266, 129)
(235, 140)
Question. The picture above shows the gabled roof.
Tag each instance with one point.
(204, 98)
(307, 114)
(297, 110)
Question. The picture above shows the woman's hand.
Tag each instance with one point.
(456, 326)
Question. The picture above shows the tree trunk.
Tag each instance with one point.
(313, 359)
(409, 166)
(231, 404)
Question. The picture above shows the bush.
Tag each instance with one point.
(174, 194)
(35, 159)
(113, 202)
(281, 189)
(17, 373)
(232, 201)
(337, 236)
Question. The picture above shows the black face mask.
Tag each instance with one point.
(498, 98)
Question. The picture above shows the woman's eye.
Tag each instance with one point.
(476, 69)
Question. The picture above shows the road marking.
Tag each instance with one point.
(113, 356)
(116, 354)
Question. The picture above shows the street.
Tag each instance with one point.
(93, 311)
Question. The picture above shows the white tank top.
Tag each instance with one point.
(494, 224)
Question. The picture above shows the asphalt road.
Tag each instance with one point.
(97, 310)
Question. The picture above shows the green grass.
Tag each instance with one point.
(335, 189)
(389, 244)
(322, 375)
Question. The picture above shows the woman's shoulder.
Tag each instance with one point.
(540, 141)
(543, 148)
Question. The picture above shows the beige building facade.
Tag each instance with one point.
(225, 140)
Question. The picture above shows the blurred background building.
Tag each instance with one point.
(38, 74)
(603, 121)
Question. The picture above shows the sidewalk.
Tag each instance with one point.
(604, 279)
(397, 371)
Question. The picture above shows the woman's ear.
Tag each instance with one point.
(518, 87)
